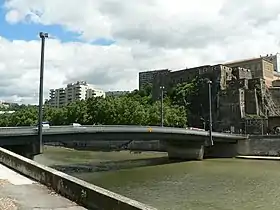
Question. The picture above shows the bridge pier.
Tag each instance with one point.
(185, 151)
(26, 150)
(222, 150)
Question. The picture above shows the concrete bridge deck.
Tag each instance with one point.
(112, 132)
(19, 192)
(180, 142)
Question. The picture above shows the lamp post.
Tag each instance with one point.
(161, 104)
(210, 112)
(43, 36)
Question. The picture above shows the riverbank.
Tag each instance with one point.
(72, 161)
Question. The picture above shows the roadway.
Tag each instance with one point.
(19, 192)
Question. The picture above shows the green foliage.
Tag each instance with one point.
(183, 93)
(136, 108)
(194, 98)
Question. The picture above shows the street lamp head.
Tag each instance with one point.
(209, 81)
(43, 35)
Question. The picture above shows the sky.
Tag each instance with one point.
(107, 42)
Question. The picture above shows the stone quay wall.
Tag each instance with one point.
(260, 146)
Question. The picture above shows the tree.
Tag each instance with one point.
(193, 97)
(136, 108)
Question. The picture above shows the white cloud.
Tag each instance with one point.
(149, 34)
(109, 67)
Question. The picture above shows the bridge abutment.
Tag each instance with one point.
(186, 151)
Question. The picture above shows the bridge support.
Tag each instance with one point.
(221, 150)
(27, 150)
(185, 151)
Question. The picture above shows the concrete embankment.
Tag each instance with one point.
(81, 192)
(260, 146)
(258, 157)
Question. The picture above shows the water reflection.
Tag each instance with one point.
(111, 165)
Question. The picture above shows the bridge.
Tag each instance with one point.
(180, 142)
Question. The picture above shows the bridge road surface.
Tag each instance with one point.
(20, 193)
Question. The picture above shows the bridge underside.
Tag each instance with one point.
(200, 150)
(25, 150)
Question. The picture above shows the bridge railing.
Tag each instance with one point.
(15, 130)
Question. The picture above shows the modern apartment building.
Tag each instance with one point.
(73, 92)
(147, 77)
(94, 92)
(57, 97)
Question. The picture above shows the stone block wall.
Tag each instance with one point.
(276, 83)
(231, 110)
(273, 122)
(275, 94)
(242, 73)
(251, 102)
(161, 79)
(260, 146)
(255, 126)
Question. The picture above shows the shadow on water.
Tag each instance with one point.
(112, 165)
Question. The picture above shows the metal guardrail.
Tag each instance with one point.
(27, 130)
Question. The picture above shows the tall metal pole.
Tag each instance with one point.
(43, 36)
(262, 127)
(245, 127)
(161, 104)
(210, 112)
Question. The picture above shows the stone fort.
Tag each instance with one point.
(245, 94)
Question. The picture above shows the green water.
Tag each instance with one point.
(220, 184)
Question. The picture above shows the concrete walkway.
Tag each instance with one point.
(20, 193)
(259, 157)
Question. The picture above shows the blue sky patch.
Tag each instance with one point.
(30, 31)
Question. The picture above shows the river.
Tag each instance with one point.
(214, 184)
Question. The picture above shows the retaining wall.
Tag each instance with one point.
(81, 192)
(260, 146)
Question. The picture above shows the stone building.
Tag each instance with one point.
(275, 59)
(242, 99)
(275, 92)
(147, 77)
(260, 67)
(231, 101)
(217, 73)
